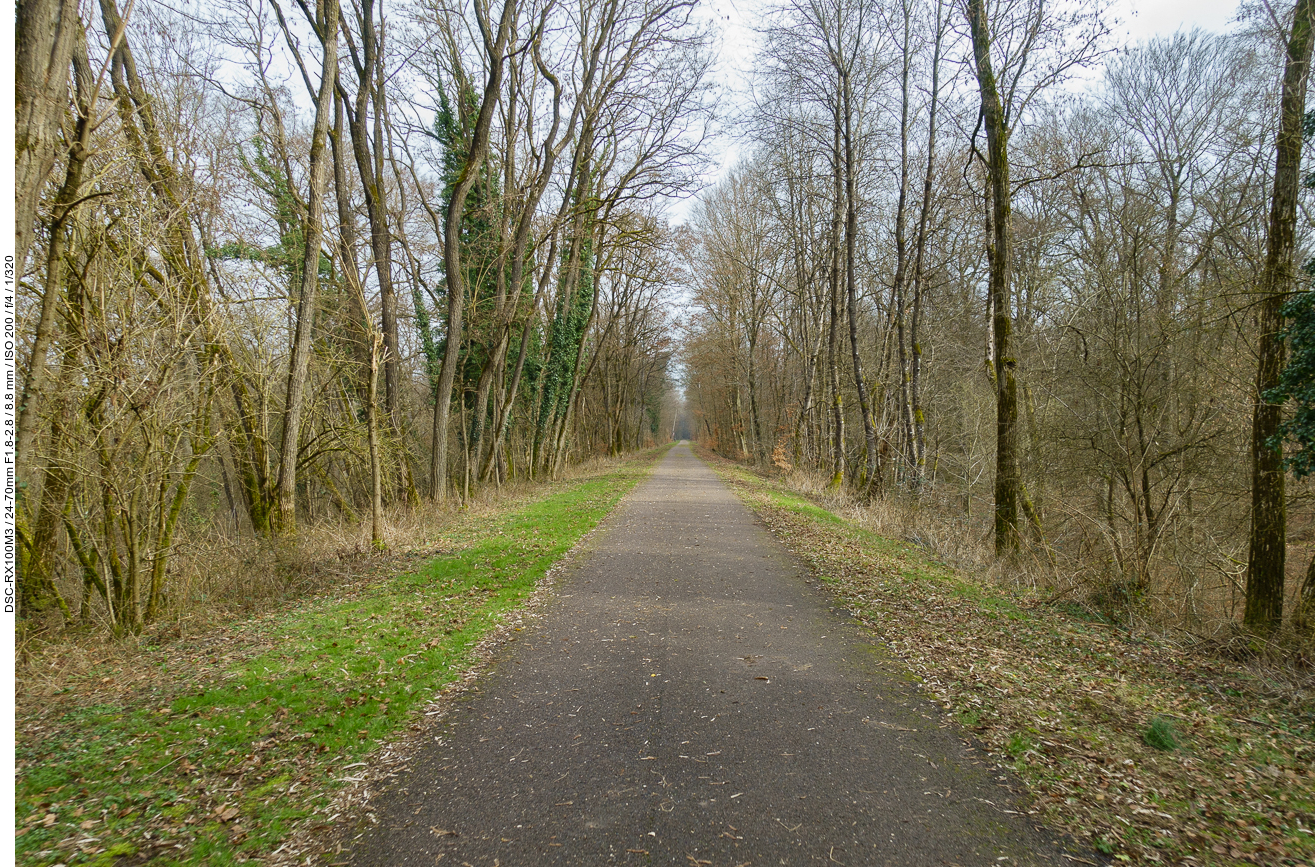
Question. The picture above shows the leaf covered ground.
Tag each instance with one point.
(214, 750)
(1153, 753)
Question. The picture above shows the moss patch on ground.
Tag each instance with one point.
(222, 746)
(1151, 752)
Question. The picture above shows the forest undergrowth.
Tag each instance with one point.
(218, 748)
(1152, 751)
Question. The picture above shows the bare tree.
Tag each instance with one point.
(1268, 540)
(326, 14)
(495, 46)
(998, 229)
(45, 32)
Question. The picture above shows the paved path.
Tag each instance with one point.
(690, 699)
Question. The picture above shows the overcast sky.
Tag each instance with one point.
(1143, 18)
(1137, 20)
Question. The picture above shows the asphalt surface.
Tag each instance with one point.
(691, 698)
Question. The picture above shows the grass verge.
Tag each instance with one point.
(232, 742)
(1151, 753)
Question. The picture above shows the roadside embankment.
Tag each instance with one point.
(215, 749)
(1152, 751)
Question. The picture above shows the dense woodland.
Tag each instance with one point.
(291, 263)
(295, 263)
(980, 265)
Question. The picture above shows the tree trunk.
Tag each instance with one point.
(998, 259)
(372, 433)
(759, 447)
(833, 337)
(577, 377)
(1268, 544)
(872, 482)
(456, 288)
(167, 520)
(299, 363)
(37, 540)
(348, 265)
(495, 362)
(62, 213)
(919, 441)
(45, 32)
(369, 164)
(1303, 618)
(509, 402)
(904, 398)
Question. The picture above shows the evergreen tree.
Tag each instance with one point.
(452, 129)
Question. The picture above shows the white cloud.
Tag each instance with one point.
(1141, 19)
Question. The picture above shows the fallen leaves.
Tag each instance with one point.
(1067, 704)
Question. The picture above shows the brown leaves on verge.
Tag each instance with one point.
(1068, 705)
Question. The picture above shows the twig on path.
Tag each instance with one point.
(167, 764)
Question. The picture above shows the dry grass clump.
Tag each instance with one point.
(942, 532)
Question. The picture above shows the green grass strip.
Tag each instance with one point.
(223, 772)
